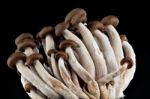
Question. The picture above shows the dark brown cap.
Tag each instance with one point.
(127, 60)
(59, 28)
(123, 37)
(23, 36)
(95, 25)
(61, 54)
(26, 43)
(67, 43)
(33, 57)
(76, 16)
(28, 87)
(51, 51)
(110, 20)
(13, 58)
(45, 31)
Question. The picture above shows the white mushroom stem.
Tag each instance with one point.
(75, 79)
(107, 50)
(36, 81)
(77, 67)
(58, 86)
(97, 56)
(82, 52)
(115, 42)
(54, 66)
(67, 79)
(82, 73)
(49, 70)
(33, 93)
(129, 73)
(28, 51)
(50, 44)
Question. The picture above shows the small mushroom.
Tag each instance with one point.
(96, 28)
(62, 56)
(81, 50)
(77, 67)
(130, 62)
(58, 86)
(16, 60)
(110, 22)
(49, 47)
(77, 16)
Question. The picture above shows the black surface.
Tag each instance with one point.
(25, 17)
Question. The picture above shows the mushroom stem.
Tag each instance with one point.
(129, 73)
(33, 93)
(28, 51)
(115, 42)
(36, 81)
(107, 50)
(75, 79)
(97, 56)
(82, 73)
(67, 79)
(53, 83)
(82, 52)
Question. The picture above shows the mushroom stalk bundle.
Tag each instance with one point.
(81, 62)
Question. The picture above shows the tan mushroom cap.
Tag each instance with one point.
(26, 43)
(61, 54)
(59, 28)
(28, 87)
(127, 60)
(45, 31)
(23, 36)
(68, 43)
(33, 57)
(110, 20)
(13, 58)
(51, 51)
(76, 16)
(95, 25)
(123, 37)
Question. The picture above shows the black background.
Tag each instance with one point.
(26, 17)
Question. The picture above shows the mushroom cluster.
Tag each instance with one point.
(75, 59)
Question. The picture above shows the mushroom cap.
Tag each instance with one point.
(23, 36)
(35, 56)
(26, 43)
(59, 28)
(28, 87)
(110, 20)
(51, 51)
(45, 31)
(123, 38)
(95, 25)
(127, 60)
(61, 54)
(13, 58)
(76, 16)
(68, 43)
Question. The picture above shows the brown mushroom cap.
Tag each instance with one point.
(110, 20)
(59, 28)
(13, 58)
(67, 43)
(123, 37)
(51, 51)
(23, 36)
(127, 60)
(76, 16)
(26, 43)
(61, 54)
(45, 31)
(95, 25)
(33, 57)
(28, 87)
